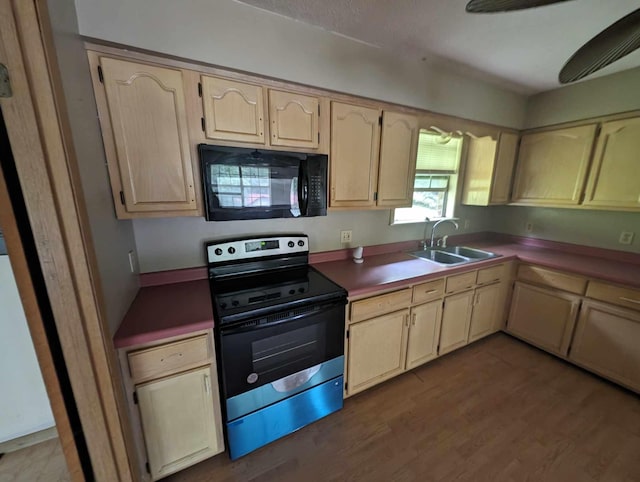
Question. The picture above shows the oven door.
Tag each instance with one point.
(264, 350)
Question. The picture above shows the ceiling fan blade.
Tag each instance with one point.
(494, 6)
(613, 43)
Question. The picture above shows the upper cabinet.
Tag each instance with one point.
(489, 169)
(233, 111)
(355, 140)
(294, 119)
(398, 149)
(552, 166)
(372, 166)
(144, 126)
(614, 180)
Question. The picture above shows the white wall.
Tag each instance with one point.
(179, 242)
(24, 405)
(112, 239)
(234, 35)
(614, 93)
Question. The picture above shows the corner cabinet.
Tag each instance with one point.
(489, 169)
(371, 166)
(174, 403)
(144, 125)
(614, 180)
(552, 166)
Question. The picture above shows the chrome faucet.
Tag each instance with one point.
(424, 235)
(433, 229)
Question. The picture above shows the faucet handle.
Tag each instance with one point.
(443, 241)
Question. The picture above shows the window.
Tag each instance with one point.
(436, 179)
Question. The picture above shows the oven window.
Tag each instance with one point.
(291, 348)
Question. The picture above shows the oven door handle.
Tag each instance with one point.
(256, 324)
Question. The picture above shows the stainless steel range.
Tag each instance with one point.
(279, 329)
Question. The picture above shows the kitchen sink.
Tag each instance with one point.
(472, 253)
(453, 255)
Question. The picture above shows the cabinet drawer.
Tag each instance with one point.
(164, 359)
(431, 290)
(378, 305)
(489, 275)
(461, 282)
(617, 295)
(554, 279)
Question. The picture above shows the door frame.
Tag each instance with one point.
(46, 165)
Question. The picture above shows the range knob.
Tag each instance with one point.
(223, 305)
(231, 250)
(292, 292)
(235, 303)
(291, 244)
(301, 243)
(218, 251)
(301, 290)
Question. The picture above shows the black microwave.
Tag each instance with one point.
(241, 183)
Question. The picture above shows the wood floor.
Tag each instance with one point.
(497, 410)
(43, 462)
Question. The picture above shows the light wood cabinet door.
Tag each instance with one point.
(377, 350)
(424, 333)
(294, 119)
(607, 341)
(552, 166)
(398, 150)
(233, 111)
(456, 317)
(487, 304)
(178, 421)
(146, 138)
(355, 136)
(478, 175)
(545, 317)
(503, 170)
(614, 180)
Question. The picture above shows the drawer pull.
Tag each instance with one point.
(430, 292)
(630, 300)
(178, 354)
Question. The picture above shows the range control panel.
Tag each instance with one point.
(252, 248)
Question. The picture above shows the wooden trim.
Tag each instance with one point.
(45, 161)
(18, 260)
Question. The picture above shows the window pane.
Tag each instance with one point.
(436, 155)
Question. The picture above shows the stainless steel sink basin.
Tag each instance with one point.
(453, 255)
(440, 257)
(472, 253)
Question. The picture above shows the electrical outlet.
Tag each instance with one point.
(132, 261)
(626, 237)
(529, 227)
(345, 237)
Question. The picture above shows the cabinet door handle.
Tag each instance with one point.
(406, 320)
(630, 300)
(413, 319)
(207, 385)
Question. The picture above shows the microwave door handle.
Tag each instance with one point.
(303, 189)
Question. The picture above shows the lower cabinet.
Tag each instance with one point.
(607, 341)
(178, 421)
(424, 333)
(544, 317)
(487, 306)
(377, 350)
(173, 401)
(456, 317)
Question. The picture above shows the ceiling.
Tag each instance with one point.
(522, 50)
